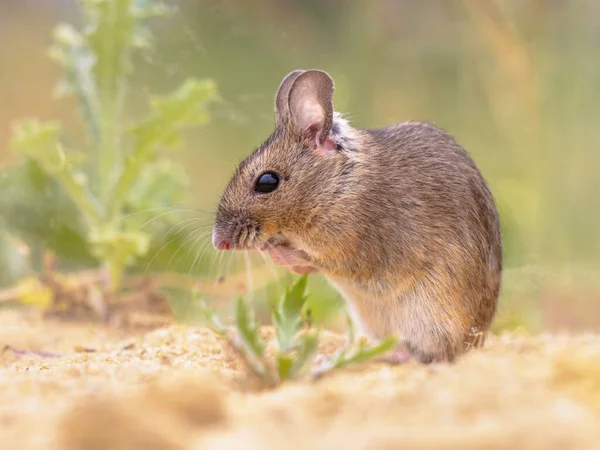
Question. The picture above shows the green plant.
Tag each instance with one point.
(297, 341)
(118, 172)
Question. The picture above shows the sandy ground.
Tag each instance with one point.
(67, 386)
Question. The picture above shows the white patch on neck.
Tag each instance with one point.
(342, 125)
(343, 133)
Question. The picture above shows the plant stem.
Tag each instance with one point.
(127, 178)
(109, 148)
(114, 268)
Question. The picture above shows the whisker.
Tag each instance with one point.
(201, 252)
(272, 269)
(166, 211)
(249, 279)
(228, 265)
(220, 262)
(150, 210)
(197, 258)
(166, 244)
(149, 221)
(183, 244)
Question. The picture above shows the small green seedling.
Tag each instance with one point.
(354, 352)
(125, 175)
(297, 342)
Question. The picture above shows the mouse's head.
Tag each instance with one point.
(295, 175)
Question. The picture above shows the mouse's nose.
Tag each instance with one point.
(219, 241)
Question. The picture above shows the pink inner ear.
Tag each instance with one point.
(313, 133)
(327, 146)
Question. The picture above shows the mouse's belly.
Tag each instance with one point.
(377, 314)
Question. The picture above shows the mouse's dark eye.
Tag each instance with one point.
(267, 182)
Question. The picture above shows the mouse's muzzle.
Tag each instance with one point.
(236, 232)
(220, 240)
(223, 230)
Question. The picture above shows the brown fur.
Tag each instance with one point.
(399, 219)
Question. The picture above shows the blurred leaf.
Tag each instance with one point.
(284, 365)
(110, 242)
(117, 248)
(363, 353)
(287, 316)
(211, 318)
(309, 344)
(97, 62)
(33, 292)
(13, 262)
(39, 141)
(248, 329)
(35, 208)
(113, 28)
(349, 354)
(367, 353)
(72, 53)
(171, 250)
(298, 357)
(187, 106)
(295, 299)
(160, 185)
(248, 333)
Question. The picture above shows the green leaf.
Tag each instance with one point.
(33, 292)
(284, 366)
(350, 334)
(39, 141)
(211, 318)
(117, 248)
(110, 242)
(159, 186)
(113, 29)
(287, 316)
(307, 350)
(72, 53)
(36, 208)
(97, 62)
(246, 351)
(295, 299)
(150, 210)
(13, 260)
(187, 106)
(348, 356)
(174, 247)
(248, 329)
(365, 353)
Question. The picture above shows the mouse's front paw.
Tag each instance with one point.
(303, 269)
(295, 260)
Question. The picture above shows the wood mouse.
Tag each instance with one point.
(398, 219)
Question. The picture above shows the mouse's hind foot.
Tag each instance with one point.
(397, 356)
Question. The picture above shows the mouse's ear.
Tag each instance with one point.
(311, 107)
(282, 109)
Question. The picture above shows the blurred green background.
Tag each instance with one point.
(515, 81)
